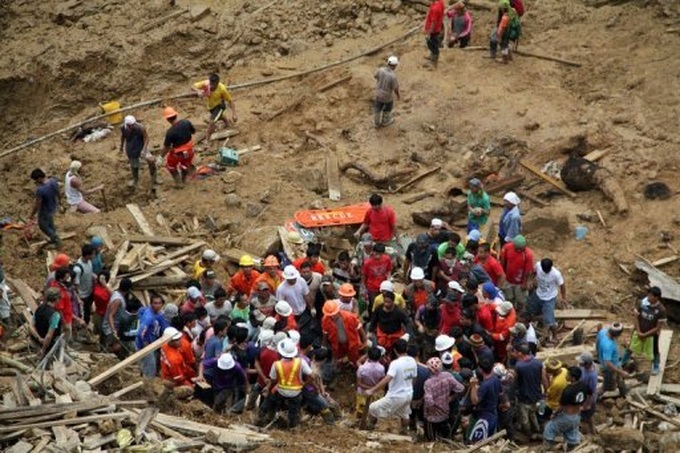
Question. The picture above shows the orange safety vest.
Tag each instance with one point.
(288, 373)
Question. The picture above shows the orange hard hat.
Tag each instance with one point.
(271, 260)
(347, 290)
(169, 112)
(331, 308)
(61, 260)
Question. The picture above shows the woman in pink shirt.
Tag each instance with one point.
(458, 25)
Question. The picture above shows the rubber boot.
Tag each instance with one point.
(135, 177)
(655, 367)
(493, 48)
(387, 119)
(505, 59)
(328, 416)
(153, 172)
(377, 117)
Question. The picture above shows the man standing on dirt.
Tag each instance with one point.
(46, 203)
(386, 85)
(135, 139)
(179, 147)
(379, 220)
(218, 97)
(83, 280)
(518, 263)
(650, 317)
(549, 288)
(433, 29)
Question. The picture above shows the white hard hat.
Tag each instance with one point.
(226, 362)
(210, 255)
(265, 337)
(173, 333)
(437, 223)
(387, 285)
(194, 293)
(294, 335)
(474, 235)
(455, 286)
(283, 308)
(504, 308)
(447, 358)
(268, 323)
(290, 273)
(417, 273)
(129, 120)
(444, 343)
(511, 197)
(406, 337)
(279, 337)
(500, 370)
(287, 348)
(393, 61)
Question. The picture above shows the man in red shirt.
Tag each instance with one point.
(434, 28)
(490, 264)
(376, 269)
(379, 220)
(518, 263)
(313, 255)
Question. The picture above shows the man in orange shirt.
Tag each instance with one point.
(272, 274)
(434, 29)
(244, 280)
(343, 332)
(175, 366)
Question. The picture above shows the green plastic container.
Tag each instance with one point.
(227, 157)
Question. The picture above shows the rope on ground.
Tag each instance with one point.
(241, 86)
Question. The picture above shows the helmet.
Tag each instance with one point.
(294, 335)
(290, 273)
(61, 260)
(265, 337)
(417, 273)
(210, 255)
(331, 308)
(283, 308)
(173, 333)
(347, 290)
(287, 348)
(393, 61)
(294, 237)
(271, 261)
(387, 285)
(226, 362)
(246, 261)
(96, 241)
(169, 112)
(444, 343)
(499, 370)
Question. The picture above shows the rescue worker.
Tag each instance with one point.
(287, 378)
(243, 281)
(386, 88)
(175, 364)
(272, 274)
(343, 333)
(419, 291)
(217, 96)
(135, 140)
(347, 300)
(207, 262)
(178, 147)
(389, 323)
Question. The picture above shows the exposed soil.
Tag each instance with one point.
(470, 116)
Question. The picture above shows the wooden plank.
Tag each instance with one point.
(138, 215)
(126, 390)
(165, 265)
(221, 135)
(670, 388)
(579, 314)
(571, 351)
(415, 179)
(596, 155)
(51, 408)
(553, 182)
(535, 200)
(333, 177)
(670, 289)
(655, 413)
(570, 334)
(487, 441)
(250, 149)
(183, 251)
(134, 358)
(183, 424)
(62, 236)
(68, 421)
(97, 442)
(503, 185)
(655, 382)
(667, 260)
(158, 240)
(25, 292)
(234, 255)
(131, 258)
(419, 196)
(102, 232)
(162, 282)
(42, 443)
(116, 262)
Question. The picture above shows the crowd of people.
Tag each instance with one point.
(450, 349)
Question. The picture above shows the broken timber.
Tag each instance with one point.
(553, 182)
(333, 177)
(138, 215)
(571, 351)
(580, 314)
(157, 240)
(419, 196)
(670, 289)
(414, 180)
(655, 382)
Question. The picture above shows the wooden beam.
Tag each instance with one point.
(68, 421)
(667, 260)
(27, 294)
(138, 215)
(221, 135)
(553, 182)
(571, 351)
(333, 177)
(415, 179)
(165, 265)
(116, 262)
(596, 155)
(234, 255)
(655, 382)
(131, 258)
(63, 236)
(670, 388)
(537, 201)
(250, 149)
(419, 196)
(486, 441)
(670, 289)
(126, 390)
(570, 334)
(183, 251)
(158, 240)
(503, 185)
(134, 358)
(580, 314)
(655, 413)
(162, 281)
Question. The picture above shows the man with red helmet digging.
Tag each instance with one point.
(178, 146)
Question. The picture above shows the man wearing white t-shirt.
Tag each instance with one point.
(549, 285)
(399, 379)
(295, 291)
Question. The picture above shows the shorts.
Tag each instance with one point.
(216, 110)
(546, 308)
(180, 160)
(391, 406)
(484, 426)
(564, 425)
(515, 294)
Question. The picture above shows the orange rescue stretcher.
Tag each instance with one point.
(343, 215)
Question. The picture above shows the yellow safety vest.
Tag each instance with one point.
(288, 372)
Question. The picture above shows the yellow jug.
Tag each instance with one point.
(112, 106)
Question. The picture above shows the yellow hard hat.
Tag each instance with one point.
(246, 261)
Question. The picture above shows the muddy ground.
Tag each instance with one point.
(471, 116)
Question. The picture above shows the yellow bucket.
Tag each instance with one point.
(112, 106)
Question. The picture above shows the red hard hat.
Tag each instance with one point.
(169, 112)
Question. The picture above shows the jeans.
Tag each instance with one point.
(528, 419)
(46, 225)
(563, 425)
(275, 401)
(235, 396)
(433, 42)
(87, 308)
(149, 365)
(313, 401)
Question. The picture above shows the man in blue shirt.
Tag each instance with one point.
(531, 381)
(214, 347)
(46, 203)
(510, 224)
(610, 362)
(589, 378)
(152, 323)
(485, 398)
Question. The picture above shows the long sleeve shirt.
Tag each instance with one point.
(151, 327)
